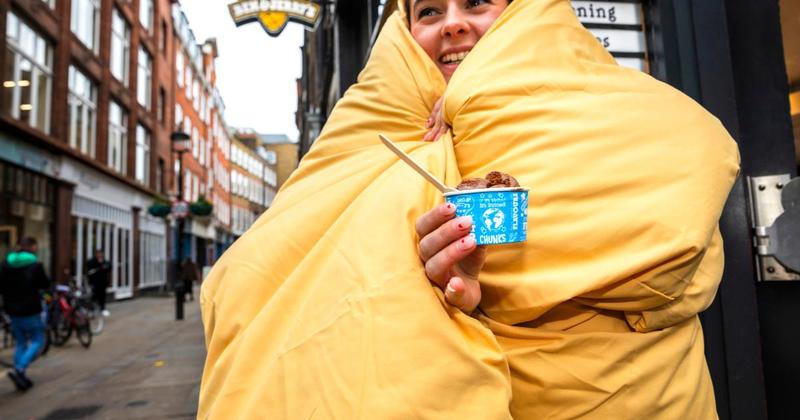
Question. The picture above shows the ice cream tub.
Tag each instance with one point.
(499, 215)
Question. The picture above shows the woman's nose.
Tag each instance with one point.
(455, 25)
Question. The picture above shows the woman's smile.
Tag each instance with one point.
(448, 29)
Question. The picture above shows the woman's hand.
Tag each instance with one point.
(436, 123)
(452, 259)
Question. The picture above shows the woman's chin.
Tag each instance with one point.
(447, 70)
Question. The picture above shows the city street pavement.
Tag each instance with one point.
(144, 365)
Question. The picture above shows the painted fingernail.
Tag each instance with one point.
(466, 243)
(464, 222)
(448, 209)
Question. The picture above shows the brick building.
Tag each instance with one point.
(199, 112)
(84, 133)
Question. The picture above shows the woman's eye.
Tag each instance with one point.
(426, 12)
(475, 3)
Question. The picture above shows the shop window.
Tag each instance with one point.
(117, 138)
(82, 106)
(144, 77)
(790, 23)
(120, 47)
(142, 155)
(85, 22)
(28, 75)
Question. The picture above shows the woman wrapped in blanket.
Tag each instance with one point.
(323, 309)
(447, 30)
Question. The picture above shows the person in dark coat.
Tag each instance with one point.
(189, 275)
(98, 269)
(22, 279)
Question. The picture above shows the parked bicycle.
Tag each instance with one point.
(84, 298)
(66, 315)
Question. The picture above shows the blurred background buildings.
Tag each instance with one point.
(92, 92)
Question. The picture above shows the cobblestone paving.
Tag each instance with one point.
(145, 365)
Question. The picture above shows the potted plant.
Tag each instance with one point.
(159, 208)
(201, 207)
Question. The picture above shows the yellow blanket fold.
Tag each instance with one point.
(322, 309)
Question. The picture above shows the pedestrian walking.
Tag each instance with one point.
(189, 275)
(98, 269)
(22, 279)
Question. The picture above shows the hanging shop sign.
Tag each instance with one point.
(273, 15)
(619, 27)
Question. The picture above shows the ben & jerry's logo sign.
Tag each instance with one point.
(275, 14)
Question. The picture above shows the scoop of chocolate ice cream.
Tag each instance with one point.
(497, 179)
(493, 179)
(472, 184)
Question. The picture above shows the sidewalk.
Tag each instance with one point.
(145, 365)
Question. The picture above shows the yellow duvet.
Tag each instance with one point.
(322, 309)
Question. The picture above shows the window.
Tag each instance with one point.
(160, 184)
(117, 138)
(146, 14)
(82, 108)
(142, 155)
(143, 77)
(195, 140)
(85, 21)
(790, 10)
(189, 81)
(162, 103)
(163, 43)
(120, 47)
(179, 68)
(187, 186)
(196, 95)
(179, 118)
(27, 76)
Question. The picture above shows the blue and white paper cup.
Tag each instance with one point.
(499, 215)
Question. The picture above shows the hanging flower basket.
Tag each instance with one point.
(159, 209)
(201, 207)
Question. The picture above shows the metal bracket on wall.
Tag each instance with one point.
(775, 213)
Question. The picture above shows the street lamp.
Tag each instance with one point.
(181, 143)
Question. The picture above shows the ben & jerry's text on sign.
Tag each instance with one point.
(275, 14)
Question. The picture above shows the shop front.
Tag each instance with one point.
(107, 215)
(29, 193)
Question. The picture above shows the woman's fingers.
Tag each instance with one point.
(464, 294)
(439, 266)
(434, 218)
(446, 234)
(435, 123)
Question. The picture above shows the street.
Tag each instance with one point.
(143, 365)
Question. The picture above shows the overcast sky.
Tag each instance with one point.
(255, 72)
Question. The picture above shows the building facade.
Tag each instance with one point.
(741, 60)
(253, 181)
(84, 123)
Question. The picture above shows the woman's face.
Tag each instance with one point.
(448, 29)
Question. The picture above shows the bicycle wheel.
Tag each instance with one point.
(60, 327)
(82, 329)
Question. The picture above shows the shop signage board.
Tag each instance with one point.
(619, 27)
(273, 15)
